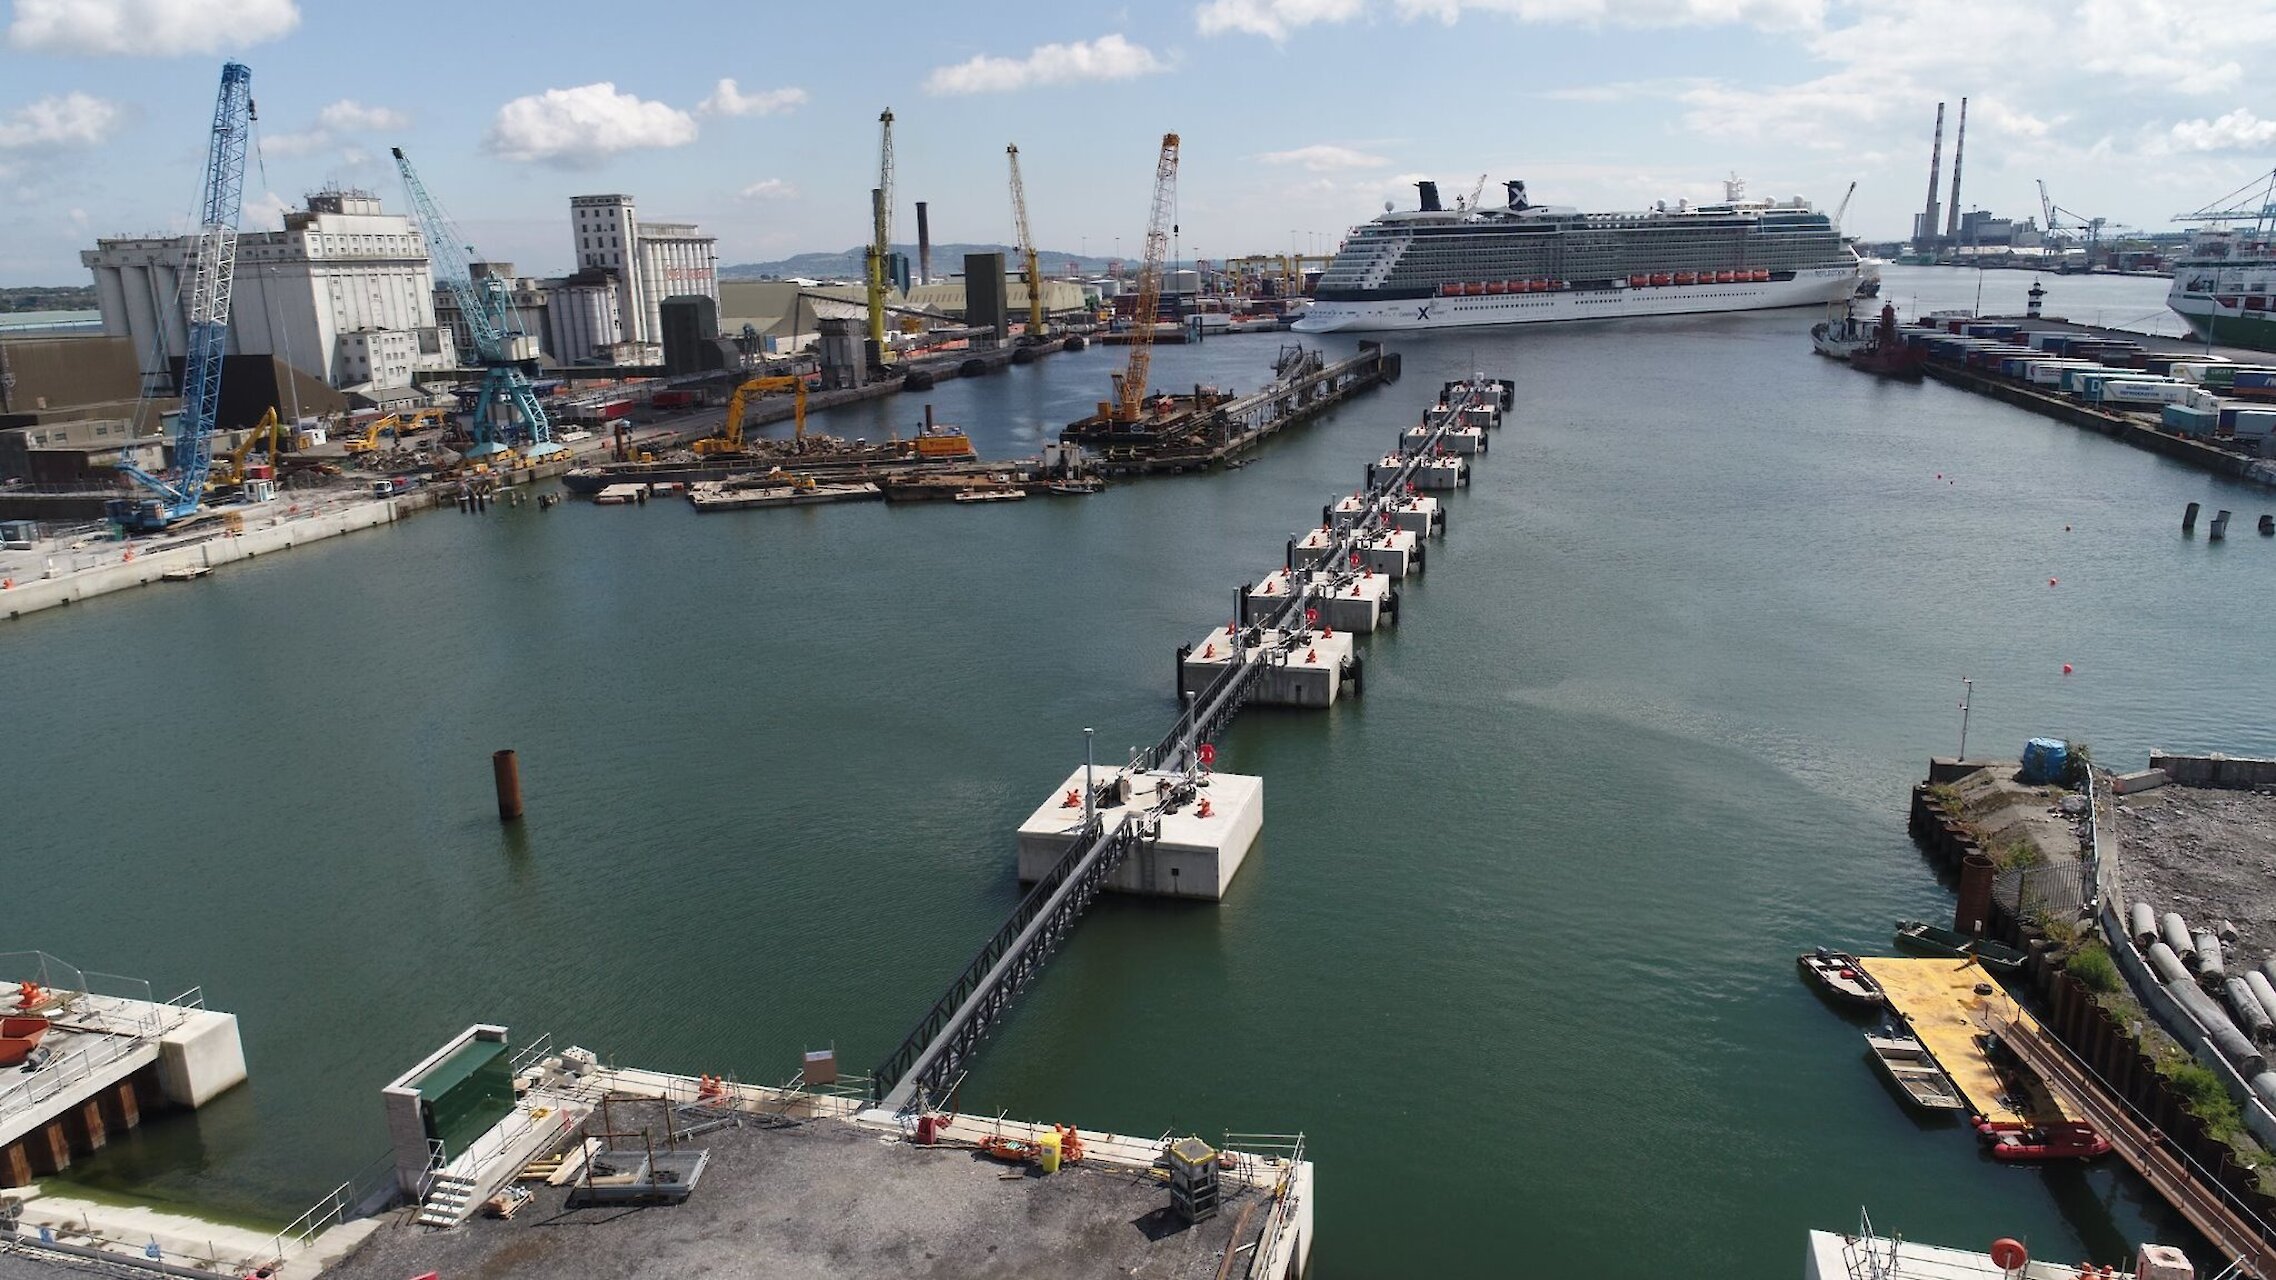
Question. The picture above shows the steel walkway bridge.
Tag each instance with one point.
(923, 1071)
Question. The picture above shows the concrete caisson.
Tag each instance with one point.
(1188, 854)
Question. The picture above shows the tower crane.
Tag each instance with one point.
(2055, 213)
(1130, 385)
(881, 233)
(1026, 248)
(213, 270)
(507, 410)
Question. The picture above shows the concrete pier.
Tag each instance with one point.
(1302, 668)
(1341, 602)
(1345, 512)
(1394, 553)
(1416, 513)
(1465, 439)
(107, 1060)
(1441, 474)
(1193, 854)
(1313, 549)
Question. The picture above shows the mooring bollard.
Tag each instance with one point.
(2220, 527)
(506, 773)
(2267, 525)
(2189, 519)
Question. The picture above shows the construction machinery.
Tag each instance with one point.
(230, 467)
(213, 270)
(730, 437)
(1130, 384)
(368, 440)
(881, 237)
(506, 410)
(2259, 214)
(1027, 254)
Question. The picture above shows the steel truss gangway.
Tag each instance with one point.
(923, 1070)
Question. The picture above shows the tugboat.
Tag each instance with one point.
(1886, 354)
(1840, 335)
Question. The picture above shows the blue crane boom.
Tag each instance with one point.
(213, 262)
(508, 411)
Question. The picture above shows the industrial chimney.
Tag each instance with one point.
(924, 246)
(1959, 148)
(1925, 233)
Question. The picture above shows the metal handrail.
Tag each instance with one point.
(936, 1019)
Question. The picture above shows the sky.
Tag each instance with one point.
(1297, 118)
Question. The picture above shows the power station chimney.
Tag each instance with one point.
(1959, 147)
(1925, 233)
(924, 246)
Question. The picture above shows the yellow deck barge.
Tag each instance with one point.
(1939, 998)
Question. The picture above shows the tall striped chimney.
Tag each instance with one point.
(1959, 147)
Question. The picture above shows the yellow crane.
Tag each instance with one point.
(1027, 255)
(1130, 385)
(881, 233)
(369, 440)
(730, 437)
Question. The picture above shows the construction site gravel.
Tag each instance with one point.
(2208, 854)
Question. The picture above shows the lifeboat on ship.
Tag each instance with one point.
(1638, 282)
(1687, 277)
(1662, 278)
(1759, 274)
(1726, 277)
(1497, 286)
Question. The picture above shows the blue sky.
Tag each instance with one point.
(1299, 117)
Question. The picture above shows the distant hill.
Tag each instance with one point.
(34, 297)
(948, 259)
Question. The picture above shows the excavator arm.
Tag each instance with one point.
(730, 437)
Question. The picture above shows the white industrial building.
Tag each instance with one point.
(343, 292)
(650, 262)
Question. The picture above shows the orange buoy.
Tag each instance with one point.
(2050, 582)
(2008, 1254)
(2066, 668)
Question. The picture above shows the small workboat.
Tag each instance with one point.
(1011, 1150)
(2016, 1140)
(186, 573)
(1906, 1063)
(989, 495)
(1922, 938)
(1838, 974)
(1075, 488)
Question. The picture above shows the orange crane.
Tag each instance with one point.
(730, 437)
(1130, 385)
(1027, 249)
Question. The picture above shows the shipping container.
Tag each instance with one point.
(2189, 421)
(2144, 392)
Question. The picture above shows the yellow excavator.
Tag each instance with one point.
(730, 437)
(229, 469)
(369, 440)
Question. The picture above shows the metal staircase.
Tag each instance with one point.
(449, 1202)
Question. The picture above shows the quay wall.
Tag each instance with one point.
(2216, 770)
(2142, 436)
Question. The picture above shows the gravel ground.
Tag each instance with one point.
(2210, 855)
(830, 1199)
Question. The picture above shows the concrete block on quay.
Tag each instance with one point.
(1191, 854)
(1416, 513)
(1463, 440)
(1313, 549)
(1302, 668)
(2127, 784)
(201, 1059)
(1441, 473)
(1345, 512)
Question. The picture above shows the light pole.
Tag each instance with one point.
(1967, 695)
(1087, 736)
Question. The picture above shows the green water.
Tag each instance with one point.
(1515, 950)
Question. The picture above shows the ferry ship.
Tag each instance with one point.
(1439, 268)
(2225, 288)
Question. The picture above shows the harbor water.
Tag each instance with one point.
(1515, 951)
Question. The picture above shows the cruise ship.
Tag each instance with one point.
(2224, 289)
(1523, 263)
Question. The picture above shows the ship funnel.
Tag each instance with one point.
(1516, 194)
(1429, 192)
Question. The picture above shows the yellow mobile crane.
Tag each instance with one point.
(730, 437)
(1035, 323)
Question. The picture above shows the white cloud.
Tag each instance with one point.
(2239, 130)
(1109, 57)
(1273, 19)
(1325, 158)
(571, 126)
(265, 212)
(727, 100)
(769, 189)
(160, 28)
(60, 120)
(350, 116)
(302, 143)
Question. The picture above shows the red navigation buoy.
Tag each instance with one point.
(2050, 582)
(2066, 668)
(2008, 1254)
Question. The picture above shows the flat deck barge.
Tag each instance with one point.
(1207, 428)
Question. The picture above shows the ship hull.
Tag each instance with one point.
(1810, 288)
(2230, 325)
